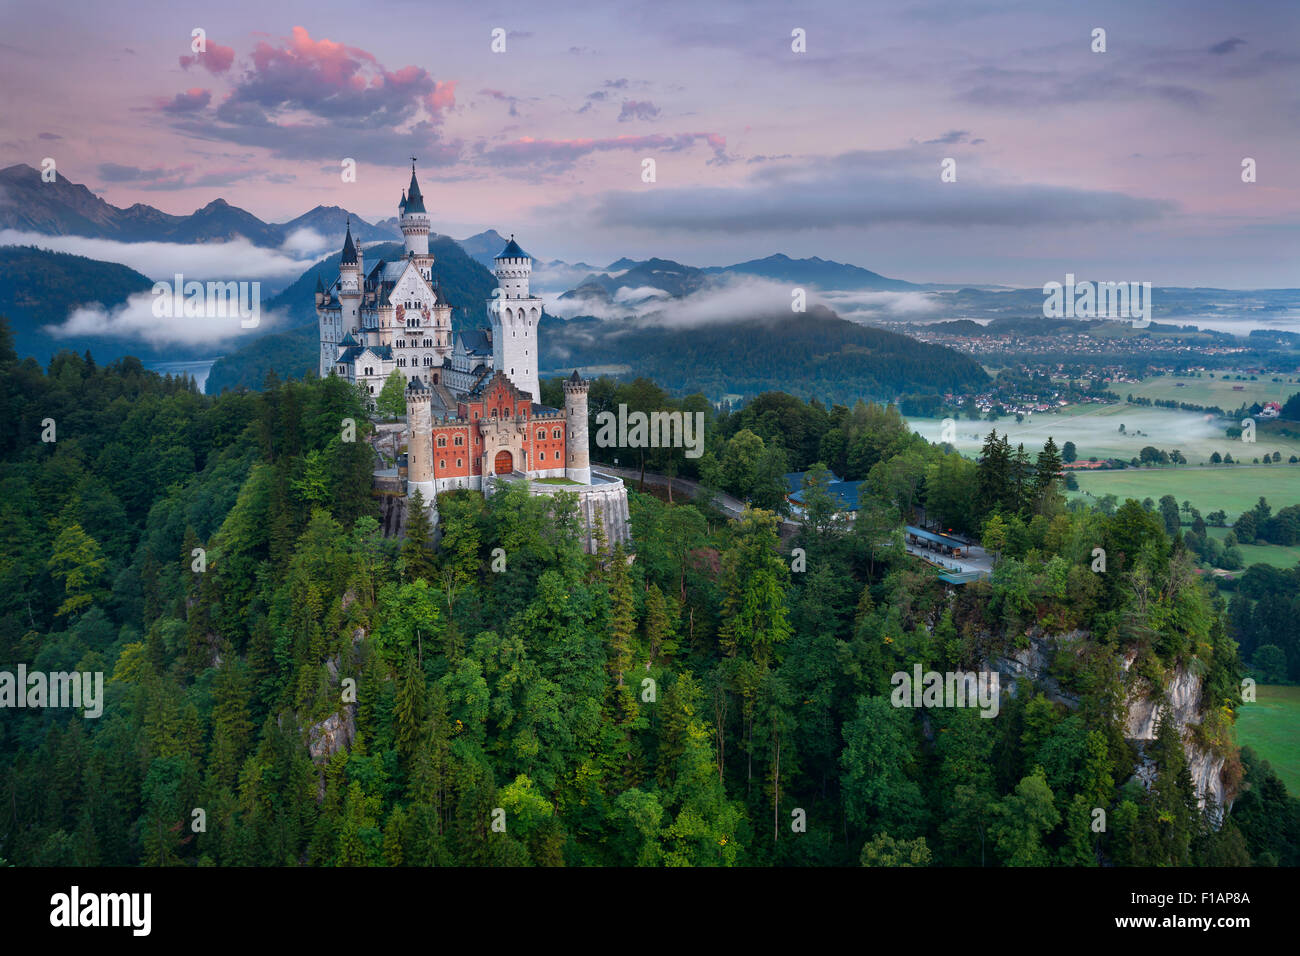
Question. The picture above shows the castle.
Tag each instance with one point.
(474, 415)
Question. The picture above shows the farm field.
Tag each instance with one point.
(1233, 489)
(1274, 555)
(1211, 391)
(1094, 429)
(1268, 726)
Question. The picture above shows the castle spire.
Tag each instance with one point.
(349, 249)
(414, 200)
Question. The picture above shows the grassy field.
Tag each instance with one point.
(1268, 726)
(1270, 554)
(1094, 429)
(1212, 391)
(1233, 489)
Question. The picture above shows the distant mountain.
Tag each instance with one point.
(332, 221)
(292, 353)
(65, 208)
(816, 353)
(664, 274)
(817, 272)
(483, 246)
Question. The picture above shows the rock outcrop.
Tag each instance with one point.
(1144, 708)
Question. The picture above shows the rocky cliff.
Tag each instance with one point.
(1143, 709)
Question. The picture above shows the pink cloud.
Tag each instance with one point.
(216, 59)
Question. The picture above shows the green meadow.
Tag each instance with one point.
(1218, 391)
(1269, 727)
(1232, 488)
(1274, 555)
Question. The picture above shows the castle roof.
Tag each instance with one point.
(349, 250)
(320, 286)
(438, 297)
(347, 341)
(414, 202)
(575, 377)
(348, 356)
(476, 341)
(415, 384)
(512, 251)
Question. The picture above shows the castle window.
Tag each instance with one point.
(541, 434)
(460, 440)
(555, 433)
(442, 463)
(459, 462)
(442, 442)
(541, 456)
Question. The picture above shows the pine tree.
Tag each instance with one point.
(417, 550)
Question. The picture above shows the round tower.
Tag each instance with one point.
(414, 220)
(419, 445)
(577, 463)
(350, 280)
(514, 315)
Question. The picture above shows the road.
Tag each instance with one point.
(732, 507)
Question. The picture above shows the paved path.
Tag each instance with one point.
(732, 507)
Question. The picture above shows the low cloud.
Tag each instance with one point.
(135, 320)
(237, 259)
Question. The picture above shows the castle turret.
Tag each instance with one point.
(350, 280)
(414, 220)
(419, 445)
(514, 315)
(577, 463)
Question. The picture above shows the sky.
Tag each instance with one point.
(1123, 165)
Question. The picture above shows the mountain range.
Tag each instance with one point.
(65, 208)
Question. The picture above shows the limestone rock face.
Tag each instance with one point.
(1182, 703)
(1144, 707)
(336, 732)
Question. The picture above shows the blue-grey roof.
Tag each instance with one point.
(512, 251)
(475, 341)
(347, 341)
(844, 493)
(350, 355)
(935, 538)
(414, 201)
(349, 250)
(794, 479)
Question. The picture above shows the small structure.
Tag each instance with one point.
(844, 493)
(939, 543)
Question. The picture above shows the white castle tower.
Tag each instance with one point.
(414, 220)
(577, 465)
(351, 278)
(514, 314)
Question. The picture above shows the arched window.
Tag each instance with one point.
(442, 442)
(555, 433)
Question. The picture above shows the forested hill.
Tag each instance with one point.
(814, 353)
(229, 686)
(39, 288)
(292, 353)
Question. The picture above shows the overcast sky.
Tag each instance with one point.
(1123, 165)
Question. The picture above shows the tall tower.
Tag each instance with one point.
(514, 314)
(414, 221)
(419, 445)
(350, 280)
(328, 323)
(577, 463)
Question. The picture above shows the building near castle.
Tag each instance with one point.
(474, 415)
